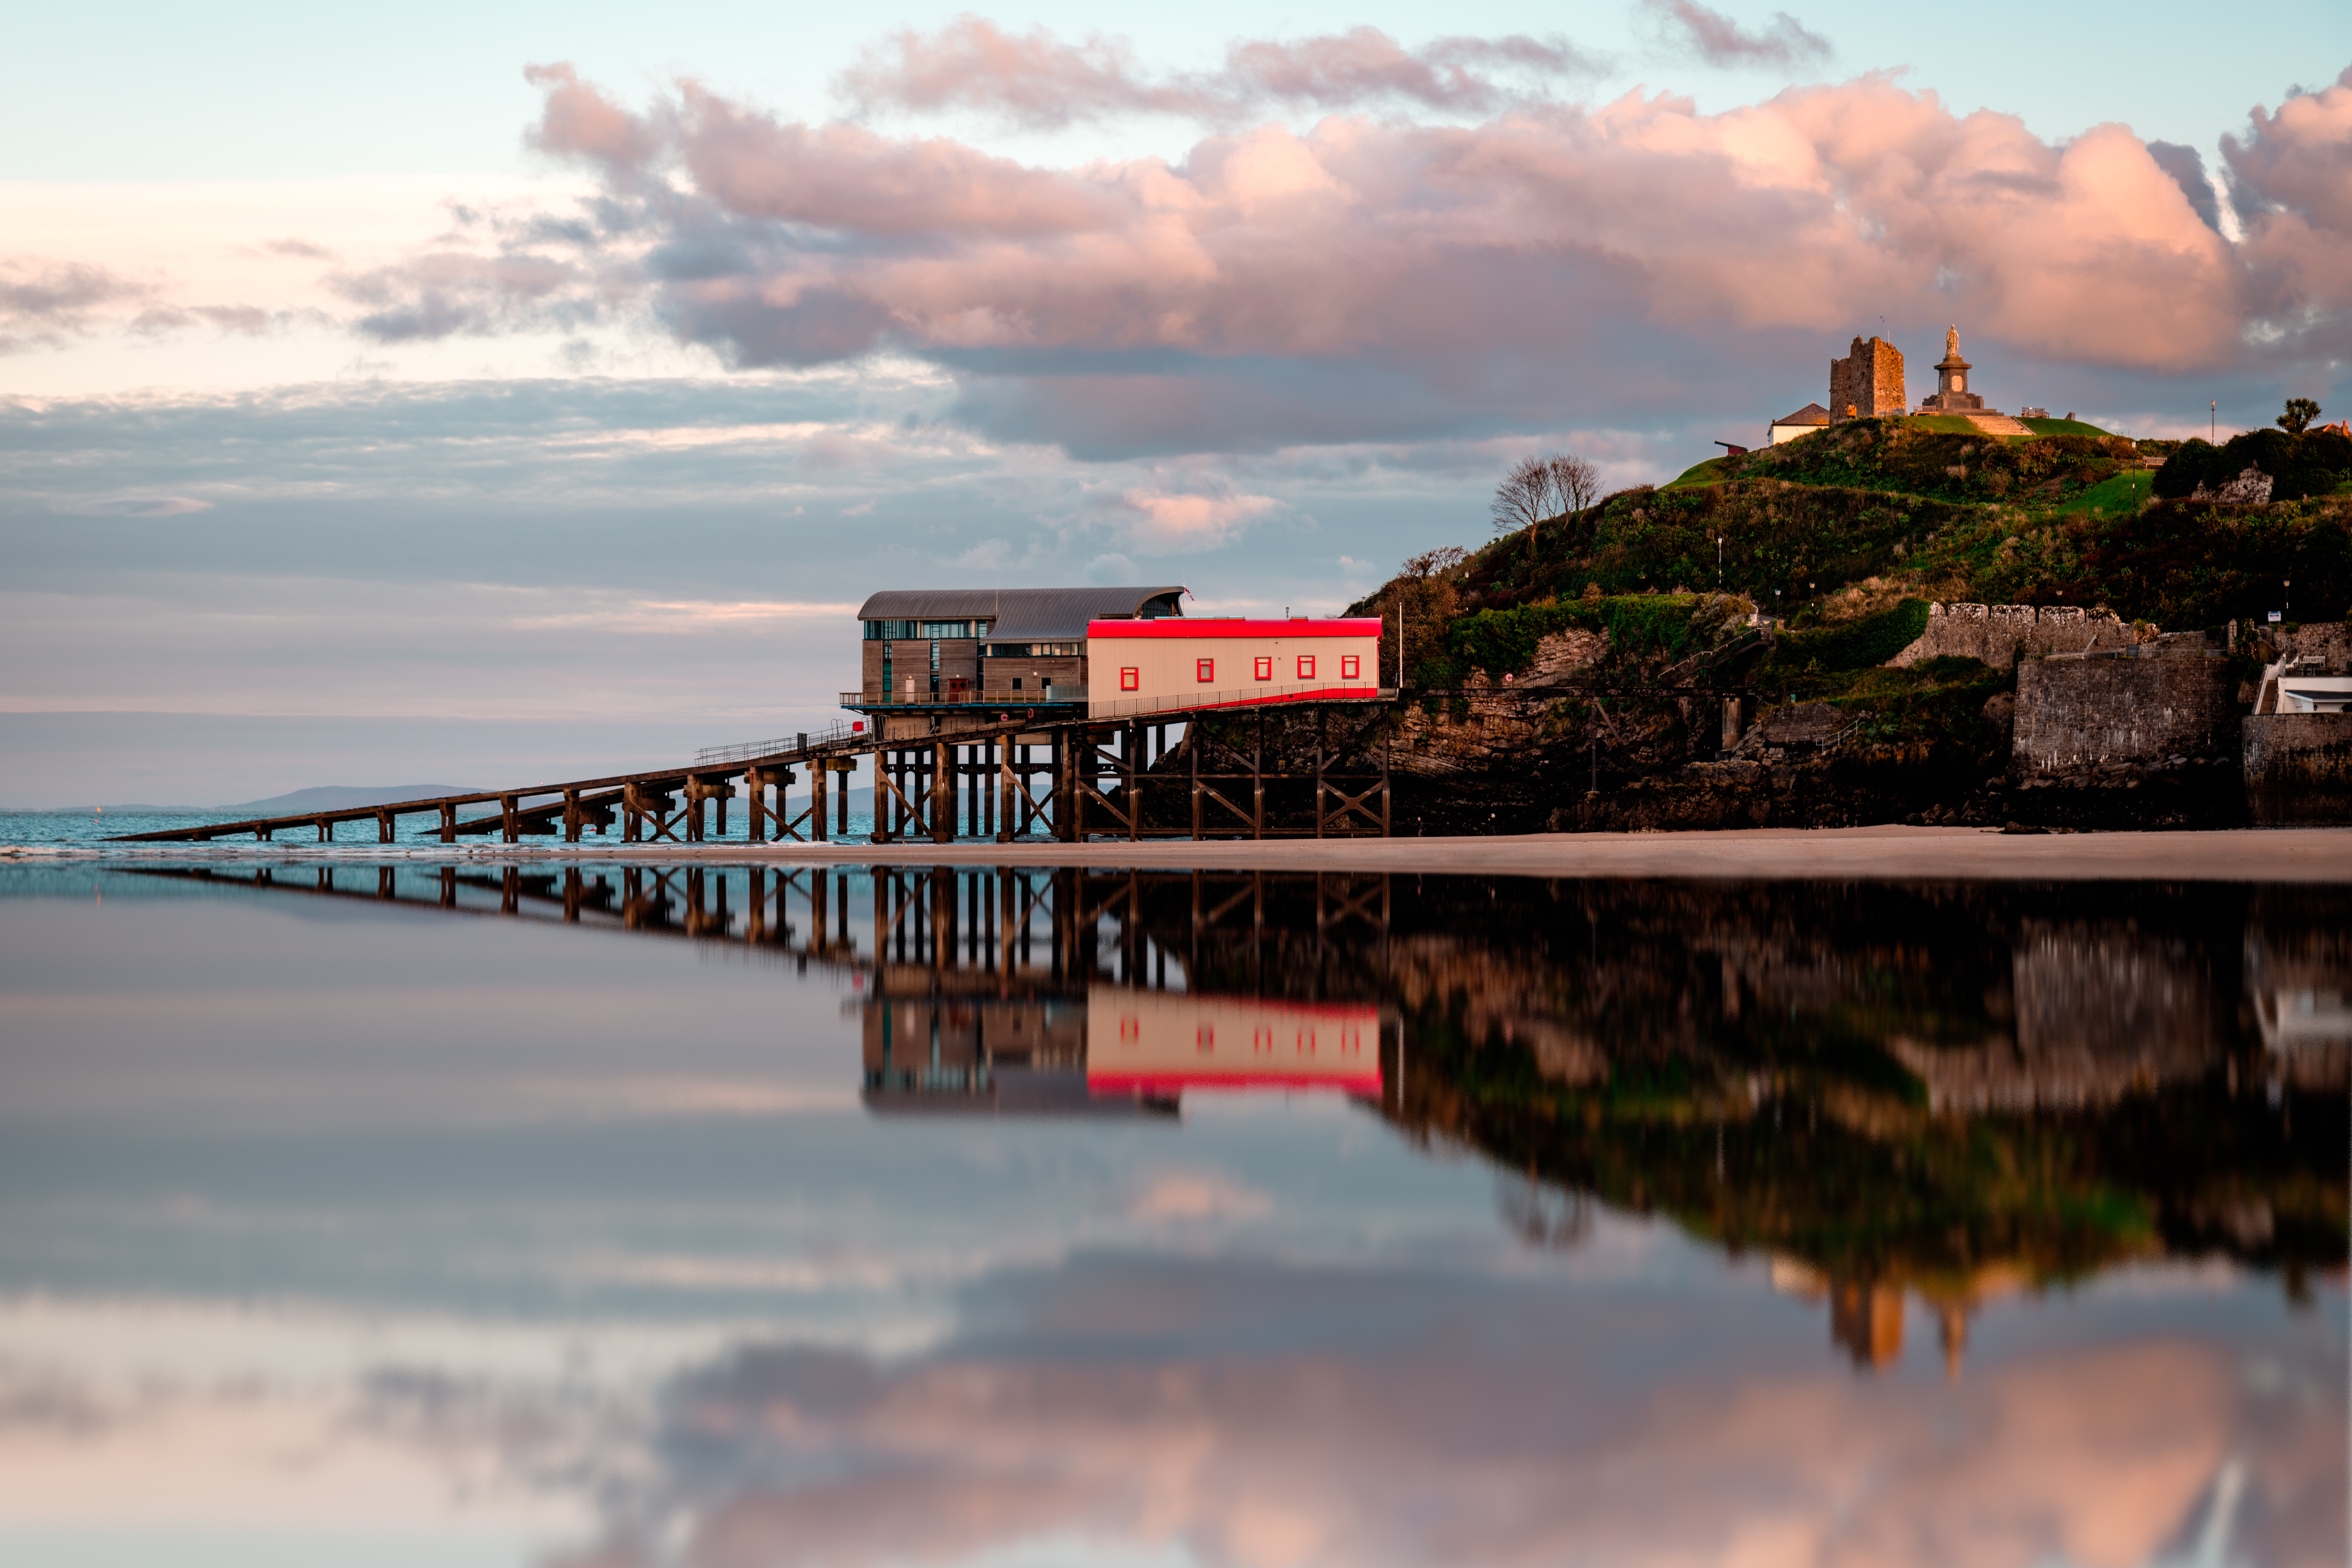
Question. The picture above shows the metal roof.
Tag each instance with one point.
(1810, 414)
(1018, 613)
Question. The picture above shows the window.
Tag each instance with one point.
(1130, 678)
(1262, 669)
(1306, 666)
(1351, 666)
(1204, 670)
(1016, 683)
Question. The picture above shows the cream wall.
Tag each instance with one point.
(1166, 666)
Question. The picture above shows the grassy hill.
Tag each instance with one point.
(1846, 522)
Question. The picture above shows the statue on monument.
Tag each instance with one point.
(1952, 393)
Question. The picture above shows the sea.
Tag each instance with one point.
(365, 1205)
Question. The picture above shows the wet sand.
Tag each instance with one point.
(2311, 855)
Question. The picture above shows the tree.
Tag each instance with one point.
(1525, 498)
(2300, 413)
(1576, 483)
(1433, 562)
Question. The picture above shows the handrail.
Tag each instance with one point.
(807, 740)
(1237, 697)
(998, 697)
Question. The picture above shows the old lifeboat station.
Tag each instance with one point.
(1080, 690)
(1067, 653)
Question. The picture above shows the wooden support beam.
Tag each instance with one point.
(943, 799)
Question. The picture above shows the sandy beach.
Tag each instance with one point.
(2314, 855)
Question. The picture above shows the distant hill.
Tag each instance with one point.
(342, 798)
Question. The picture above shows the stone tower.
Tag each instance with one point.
(1868, 381)
(1952, 393)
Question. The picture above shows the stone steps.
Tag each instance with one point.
(1995, 425)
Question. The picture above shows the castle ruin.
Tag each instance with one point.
(1867, 382)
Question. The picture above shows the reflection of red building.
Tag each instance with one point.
(1162, 1043)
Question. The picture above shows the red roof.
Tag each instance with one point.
(1208, 627)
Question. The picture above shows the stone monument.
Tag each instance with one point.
(1867, 382)
(1952, 393)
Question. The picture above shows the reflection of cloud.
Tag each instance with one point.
(1219, 1412)
(1465, 1436)
(1187, 1195)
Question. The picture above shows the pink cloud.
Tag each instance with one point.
(1037, 80)
(1721, 41)
(44, 303)
(2291, 178)
(1172, 522)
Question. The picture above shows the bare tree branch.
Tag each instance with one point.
(1524, 499)
(1575, 483)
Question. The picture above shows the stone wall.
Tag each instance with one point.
(1869, 380)
(2108, 708)
(1998, 634)
(2298, 769)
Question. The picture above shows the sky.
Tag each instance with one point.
(531, 391)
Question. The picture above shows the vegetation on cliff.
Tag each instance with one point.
(2066, 519)
(2299, 464)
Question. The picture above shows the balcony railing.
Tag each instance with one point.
(968, 696)
(1107, 706)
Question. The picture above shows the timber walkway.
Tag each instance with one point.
(933, 773)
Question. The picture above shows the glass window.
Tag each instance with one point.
(1351, 666)
(1130, 678)
(1262, 669)
(1306, 666)
(1204, 670)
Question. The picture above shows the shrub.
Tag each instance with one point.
(1858, 645)
(2299, 466)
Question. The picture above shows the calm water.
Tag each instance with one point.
(598, 1216)
(53, 829)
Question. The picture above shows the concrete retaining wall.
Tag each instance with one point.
(1998, 634)
(2073, 712)
(2298, 769)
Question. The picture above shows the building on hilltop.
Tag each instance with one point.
(1952, 393)
(1867, 382)
(1812, 416)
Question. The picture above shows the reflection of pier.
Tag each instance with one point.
(991, 989)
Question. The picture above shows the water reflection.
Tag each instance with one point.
(1807, 1222)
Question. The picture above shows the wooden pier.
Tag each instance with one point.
(993, 776)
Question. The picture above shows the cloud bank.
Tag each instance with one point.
(1376, 278)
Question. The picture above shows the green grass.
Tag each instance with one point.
(1709, 472)
(2111, 497)
(1942, 424)
(2063, 427)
